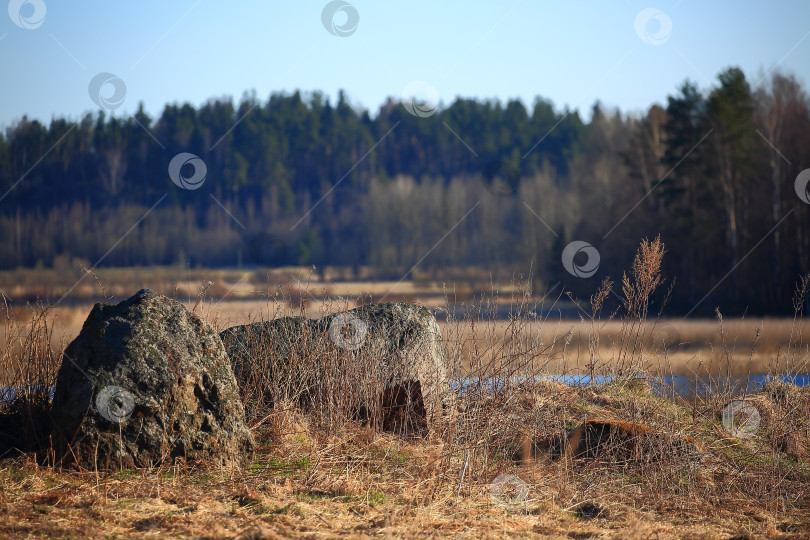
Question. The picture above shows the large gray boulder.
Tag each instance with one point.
(145, 382)
(381, 362)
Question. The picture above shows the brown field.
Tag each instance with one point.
(704, 346)
(669, 346)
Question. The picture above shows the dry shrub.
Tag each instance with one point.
(673, 450)
(28, 368)
(787, 418)
(294, 360)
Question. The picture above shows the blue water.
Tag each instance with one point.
(667, 385)
(686, 386)
(491, 384)
(8, 393)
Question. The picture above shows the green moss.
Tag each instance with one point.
(125, 474)
(16, 474)
(376, 497)
(314, 496)
(283, 467)
(372, 498)
(401, 457)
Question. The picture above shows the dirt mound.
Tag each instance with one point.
(619, 440)
(778, 416)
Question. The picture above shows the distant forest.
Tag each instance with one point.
(478, 184)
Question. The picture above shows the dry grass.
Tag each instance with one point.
(611, 460)
(700, 346)
(74, 283)
(364, 483)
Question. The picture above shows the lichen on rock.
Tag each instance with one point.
(380, 362)
(147, 381)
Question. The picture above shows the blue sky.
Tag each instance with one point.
(572, 53)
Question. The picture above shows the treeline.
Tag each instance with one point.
(478, 184)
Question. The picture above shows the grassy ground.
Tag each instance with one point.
(359, 483)
(606, 461)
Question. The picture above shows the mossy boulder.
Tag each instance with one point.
(145, 382)
(380, 362)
